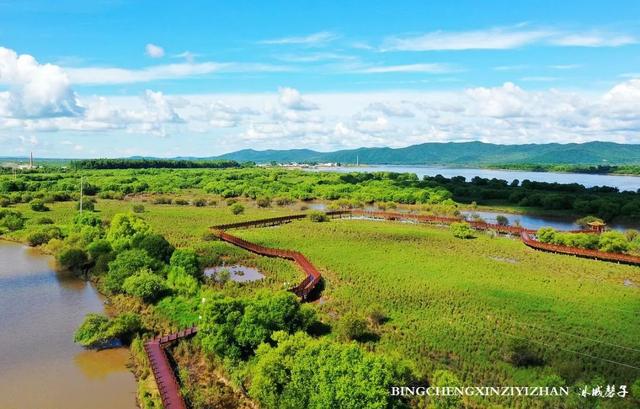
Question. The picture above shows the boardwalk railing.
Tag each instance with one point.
(163, 372)
(303, 289)
(576, 251)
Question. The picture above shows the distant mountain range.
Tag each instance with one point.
(464, 154)
(459, 154)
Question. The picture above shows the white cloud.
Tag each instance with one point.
(314, 39)
(154, 51)
(433, 68)
(595, 39)
(113, 75)
(34, 89)
(290, 98)
(489, 39)
(503, 38)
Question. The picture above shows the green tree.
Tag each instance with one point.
(183, 283)
(444, 378)
(124, 226)
(188, 260)
(126, 263)
(72, 259)
(146, 285)
(98, 248)
(155, 245)
(300, 372)
(502, 220)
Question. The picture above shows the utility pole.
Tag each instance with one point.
(81, 177)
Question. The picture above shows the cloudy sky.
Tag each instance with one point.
(121, 78)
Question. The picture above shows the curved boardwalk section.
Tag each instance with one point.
(307, 285)
(162, 369)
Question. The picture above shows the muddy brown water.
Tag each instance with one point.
(40, 366)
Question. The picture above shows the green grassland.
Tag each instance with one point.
(457, 303)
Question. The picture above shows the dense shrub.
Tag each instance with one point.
(613, 242)
(521, 353)
(38, 205)
(301, 372)
(138, 208)
(126, 264)
(187, 259)
(123, 227)
(11, 220)
(237, 208)
(200, 202)
(317, 216)
(234, 327)
(351, 327)
(263, 202)
(43, 235)
(155, 245)
(181, 282)
(146, 285)
(72, 259)
(87, 205)
(462, 230)
(98, 330)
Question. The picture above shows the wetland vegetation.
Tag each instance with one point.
(400, 304)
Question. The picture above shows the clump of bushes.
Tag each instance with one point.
(200, 202)
(182, 202)
(462, 230)
(317, 216)
(138, 208)
(351, 327)
(38, 205)
(611, 241)
(11, 220)
(146, 285)
(287, 375)
(44, 235)
(263, 202)
(521, 353)
(99, 331)
(162, 200)
(237, 208)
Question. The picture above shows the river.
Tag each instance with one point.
(41, 366)
(621, 182)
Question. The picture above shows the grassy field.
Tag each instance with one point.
(457, 303)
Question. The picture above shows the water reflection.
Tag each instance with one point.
(237, 273)
(41, 366)
(100, 364)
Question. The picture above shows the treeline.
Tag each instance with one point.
(587, 169)
(602, 201)
(152, 163)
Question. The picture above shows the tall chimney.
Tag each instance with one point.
(31, 160)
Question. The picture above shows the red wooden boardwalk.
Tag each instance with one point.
(162, 370)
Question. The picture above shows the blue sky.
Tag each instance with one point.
(118, 78)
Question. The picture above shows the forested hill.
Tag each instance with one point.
(461, 154)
